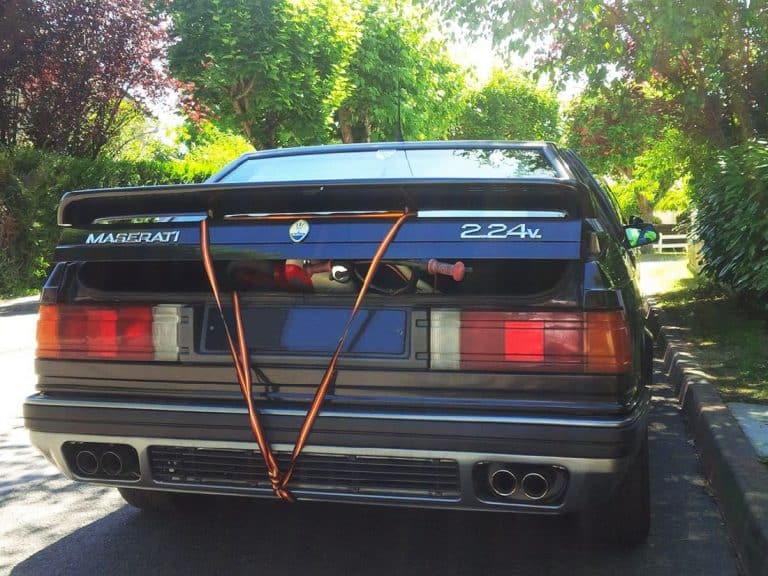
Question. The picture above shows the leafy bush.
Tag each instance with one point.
(626, 193)
(31, 184)
(210, 148)
(731, 197)
(509, 107)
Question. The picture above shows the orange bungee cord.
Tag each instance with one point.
(238, 347)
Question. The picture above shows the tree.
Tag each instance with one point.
(270, 69)
(624, 132)
(609, 126)
(509, 107)
(709, 59)
(399, 67)
(659, 177)
(67, 66)
(20, 23)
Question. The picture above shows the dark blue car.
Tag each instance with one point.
(431, 324)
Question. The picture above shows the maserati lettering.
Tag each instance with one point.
(161, 237)
(499, 231)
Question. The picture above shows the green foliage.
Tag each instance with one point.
(509, 107)
(660, 174)
(677, 198)
(138, 138)
(270, 69)
(620, 132)
(731, 195)
(31, 184)
(663, 161)
(727, 335)
(399, 57)
(295, 72)
(627, 192)
(708, 59)
(212, 149)
(612, 125)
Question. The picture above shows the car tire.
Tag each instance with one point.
(155, 502)
(625, 519)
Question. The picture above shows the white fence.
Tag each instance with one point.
(671, 242)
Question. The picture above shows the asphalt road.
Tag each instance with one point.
(49, 525)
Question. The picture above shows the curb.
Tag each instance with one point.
(17, 306)
(738, 479)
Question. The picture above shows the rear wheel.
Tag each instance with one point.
(625, 519)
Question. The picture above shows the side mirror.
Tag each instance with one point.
(640, 234)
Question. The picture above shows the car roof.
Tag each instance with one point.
(406, 145)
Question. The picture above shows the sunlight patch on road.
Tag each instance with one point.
(661, 276)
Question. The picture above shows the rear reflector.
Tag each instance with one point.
(607, 347)
(585, 342)
(108, 332)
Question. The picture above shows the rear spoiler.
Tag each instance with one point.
(83, 207)
(521, 219)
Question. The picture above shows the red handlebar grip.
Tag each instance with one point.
(311, 269)
(455, 271)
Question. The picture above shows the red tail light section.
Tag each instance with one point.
(117, 332)
(589, 342)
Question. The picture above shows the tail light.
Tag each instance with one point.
(588, 342)
(113, 332)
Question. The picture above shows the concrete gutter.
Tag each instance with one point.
(737, 477)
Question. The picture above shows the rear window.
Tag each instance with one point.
(394, 278)
(393, 164)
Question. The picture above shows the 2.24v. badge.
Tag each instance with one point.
(499, 231)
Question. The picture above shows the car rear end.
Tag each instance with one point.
(512, 382)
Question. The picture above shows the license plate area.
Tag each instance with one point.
(312, 331)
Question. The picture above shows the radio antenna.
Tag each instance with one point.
(399, 128)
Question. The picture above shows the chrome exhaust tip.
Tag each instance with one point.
(503, 482)
(535, 486)
(86, 463)
(111, 463)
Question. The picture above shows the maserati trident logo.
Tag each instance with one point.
(298, 230)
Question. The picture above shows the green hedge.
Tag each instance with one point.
(731, 197)
(31, 184)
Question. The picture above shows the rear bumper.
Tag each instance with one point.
(594, 452)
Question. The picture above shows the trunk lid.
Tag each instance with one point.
(515, 309)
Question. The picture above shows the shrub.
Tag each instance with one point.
(626, 193)
(731, 197)
(31, 184)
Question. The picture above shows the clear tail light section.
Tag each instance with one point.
(108, 332)
(585, 342)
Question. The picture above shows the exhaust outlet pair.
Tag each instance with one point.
(87, 464)
(504, 483)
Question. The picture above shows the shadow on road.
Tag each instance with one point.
(21, 307)
(271, 538)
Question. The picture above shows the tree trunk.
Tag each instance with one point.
(271, 124)
(240, 103)
(248, 129)
(366, 125)
(345, 125)
(646, 210)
